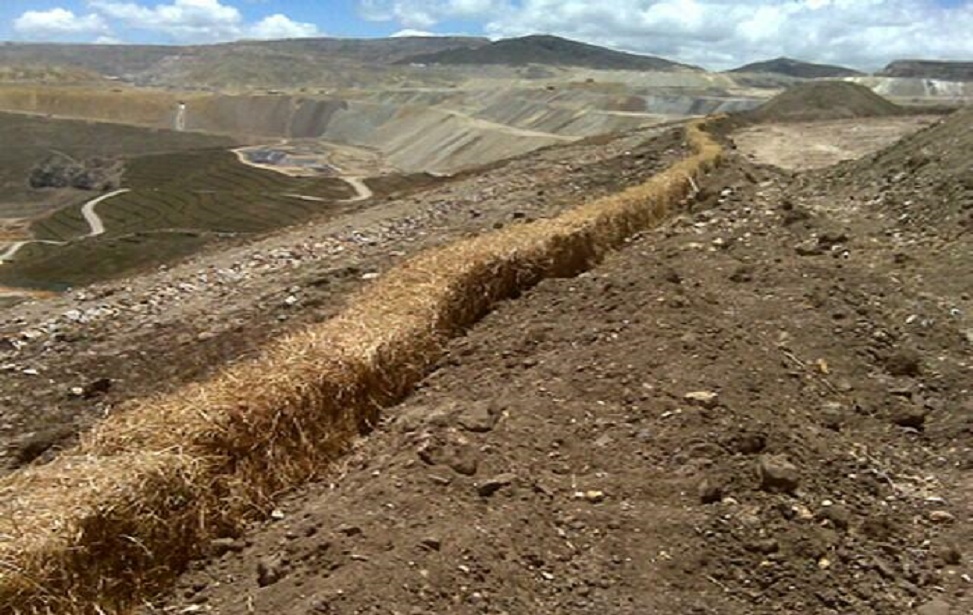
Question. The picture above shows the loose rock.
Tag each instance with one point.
(777, 474)
(492, 485)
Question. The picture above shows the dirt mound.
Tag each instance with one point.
(924, 180)
(824, 100)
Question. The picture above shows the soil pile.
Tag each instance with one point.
(824, 100)
(925, 179)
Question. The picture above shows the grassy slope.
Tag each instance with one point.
(28, 140)
(178, 203)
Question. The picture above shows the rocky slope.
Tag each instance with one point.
(929, 69)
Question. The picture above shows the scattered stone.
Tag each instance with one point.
(950, 555)
(270, 570)
(935, 607)
(703, 399)
(904, 362)
(831, 239)
(743, 273)
(594, 496)
(33, 445)
(349, 530)
(672, 276)
(430, 543)
(809, 248)
(749, 443)
(96, 388)
(461, 458)
(911, 416)
(837, 514)
(498, 482)
(478, 417)
(941, 516)
(710, 492)
(777, 474)
(221, 546)
(832, 415)
(766, 546)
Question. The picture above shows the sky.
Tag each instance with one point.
(717, 34)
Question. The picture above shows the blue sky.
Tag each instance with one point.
(713, 33)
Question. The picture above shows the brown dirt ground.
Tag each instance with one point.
(60, 372)
(557, 460)
(798, 146)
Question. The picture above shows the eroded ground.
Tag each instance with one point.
(814, 145)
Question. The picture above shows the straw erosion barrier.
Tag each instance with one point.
(147, 490)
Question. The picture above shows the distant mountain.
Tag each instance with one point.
(796, 68)
(549, 50)
(268, 61)
(929, 69)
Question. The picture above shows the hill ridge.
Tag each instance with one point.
(551, 50)
(796, 68)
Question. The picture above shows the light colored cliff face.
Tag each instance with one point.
(423, 129)
(914, 88)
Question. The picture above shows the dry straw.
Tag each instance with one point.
(148, 489)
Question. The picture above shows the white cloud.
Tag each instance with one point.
(422, 14)
(717, 33)
(412, 32)
(281, 26)
(181, 21)
(58, 23)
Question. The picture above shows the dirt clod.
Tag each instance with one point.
(494, 484)
(777, 474)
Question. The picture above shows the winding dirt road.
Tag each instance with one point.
(362, 191)
(90, 216)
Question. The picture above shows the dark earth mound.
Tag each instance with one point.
(824, 100)
(551, 50)
(929, 69)
(796, 68)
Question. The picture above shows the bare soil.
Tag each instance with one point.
(67, 362)
(799, 146)
(762, 407)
